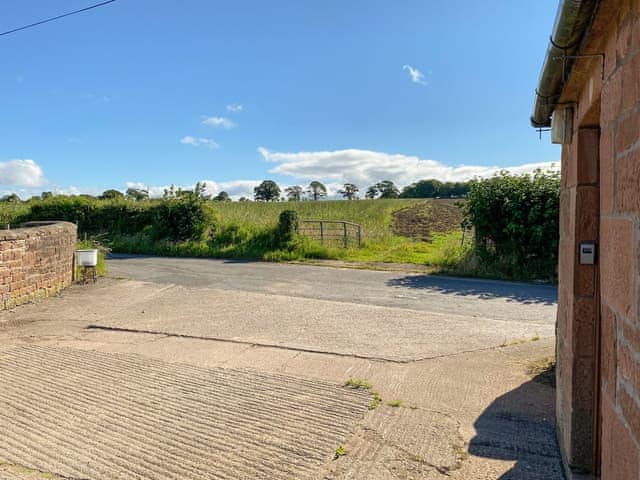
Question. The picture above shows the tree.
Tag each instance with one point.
(10, 198)
(423, 189)
(137, 194)
(170, 192)
(244, 199)
(45, 195)
(267, 191)
(372, 191)
(294, 193)
(349, 191)
(317, 190)
(200, 191)
(388, 189)
(109, 195)
(222, 197)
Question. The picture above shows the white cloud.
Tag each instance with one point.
(155, 191)
(27, 192)
(415, 75)
(235, 108)
(218, 122)
(199, 142)
(235, 188)
(19, 172)
(365, 167)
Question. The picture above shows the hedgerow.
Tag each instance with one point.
(516, 223)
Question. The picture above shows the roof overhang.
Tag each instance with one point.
(573, 21)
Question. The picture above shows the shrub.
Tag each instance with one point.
(516, 222)
(181, 219)
(288, 226)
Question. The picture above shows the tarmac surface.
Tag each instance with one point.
(184, 368)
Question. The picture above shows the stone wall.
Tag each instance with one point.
(35, 261)
(619, 239)
(598, 335)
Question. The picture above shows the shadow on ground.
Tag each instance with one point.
(483, 290)
(520, 426)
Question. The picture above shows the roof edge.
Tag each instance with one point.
(572, 23)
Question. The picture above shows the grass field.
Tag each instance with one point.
(419, 231)
(375, 216)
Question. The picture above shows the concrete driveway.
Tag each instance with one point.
(183, 368)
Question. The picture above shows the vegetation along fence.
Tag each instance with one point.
(335, 232)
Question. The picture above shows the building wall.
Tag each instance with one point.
(36, 261)
(598, 337)
(577, 300)
(619, 237)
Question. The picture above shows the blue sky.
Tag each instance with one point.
(159, 92)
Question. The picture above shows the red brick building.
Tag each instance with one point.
(590, 91)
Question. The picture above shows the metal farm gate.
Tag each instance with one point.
(332, 232)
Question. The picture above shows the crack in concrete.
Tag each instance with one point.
(299, 349)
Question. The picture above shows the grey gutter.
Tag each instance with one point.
(572, 22)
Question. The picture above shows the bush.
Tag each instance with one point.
(181, 219)
(516, 222)
(288, 226)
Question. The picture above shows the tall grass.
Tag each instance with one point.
(374, 215)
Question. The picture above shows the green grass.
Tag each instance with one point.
(375, 216)
(357, 383)
(246, 230)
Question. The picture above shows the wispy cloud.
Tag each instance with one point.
(21, 172)
(199, 142)
(235, 108)
(218, 122)
(365, 167)
(415, 75)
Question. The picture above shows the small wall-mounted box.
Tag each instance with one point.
(587, 253)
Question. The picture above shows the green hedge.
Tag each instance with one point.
(516, 223)
(176, 219)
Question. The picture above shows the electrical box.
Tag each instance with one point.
(587, 253)
(562, 125)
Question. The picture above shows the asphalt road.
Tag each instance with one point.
(461, 296)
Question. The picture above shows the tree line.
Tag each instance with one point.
(270, 191)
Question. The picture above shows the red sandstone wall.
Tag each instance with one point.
(577, 300)
(620, 241)
(600, 200)
(35, 262)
